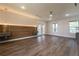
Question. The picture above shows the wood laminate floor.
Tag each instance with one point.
(40, 46)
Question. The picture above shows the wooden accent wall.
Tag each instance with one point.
(20, 31)
(1, 28)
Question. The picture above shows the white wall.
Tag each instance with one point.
(47, 27)
(63, 27)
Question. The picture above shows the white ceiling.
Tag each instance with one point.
(42, 10)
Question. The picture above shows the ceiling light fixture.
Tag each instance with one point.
(51, 13)
(50, 16)
(22, 7)
(66, 14)
(75, 4)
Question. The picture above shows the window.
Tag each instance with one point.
(73, 26)
(55, 27)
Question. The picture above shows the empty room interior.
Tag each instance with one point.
(39, 29)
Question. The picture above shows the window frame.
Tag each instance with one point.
(73, 27)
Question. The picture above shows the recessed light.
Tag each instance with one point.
(67, 14)
(22, 7)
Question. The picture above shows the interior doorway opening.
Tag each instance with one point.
(41, 29)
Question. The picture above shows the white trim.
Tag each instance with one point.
(19, 38)
(62, 36)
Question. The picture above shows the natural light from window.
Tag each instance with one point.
(73, 26)
(55, 27)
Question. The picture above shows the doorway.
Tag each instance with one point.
(41, 29)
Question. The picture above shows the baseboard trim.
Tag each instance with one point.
(11, 40)
(59, 36)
